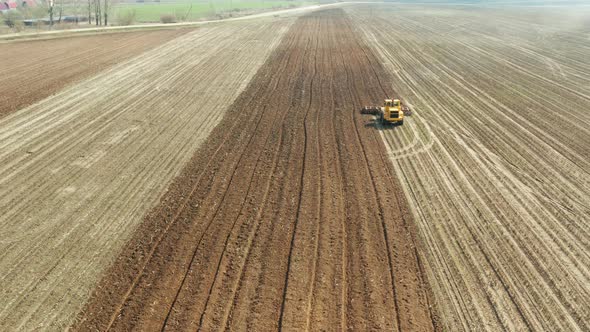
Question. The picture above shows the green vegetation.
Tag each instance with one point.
(126, 17)
(13, 19)
(192, 11)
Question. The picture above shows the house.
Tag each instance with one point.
(6, 5)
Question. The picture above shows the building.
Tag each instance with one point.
(6, 5)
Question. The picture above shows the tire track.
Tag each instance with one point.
(500, 195)
(279, 75)
(301, 184)
(384, 166)
(257, 218)
(97, 168)
(255, 246)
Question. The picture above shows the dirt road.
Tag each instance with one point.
(34, 70)
(81, 168)
(496, 160)
(288, 217)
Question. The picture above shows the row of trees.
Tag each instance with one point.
(101, 11)
(97, 10)
(49, 13)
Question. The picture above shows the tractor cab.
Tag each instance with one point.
(388, 103)
(392, 103)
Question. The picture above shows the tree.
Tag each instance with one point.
(89, 11)
(106, 8)
(50, 6)
(13, 19)
(97, 14)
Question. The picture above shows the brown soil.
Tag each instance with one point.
(495, 160)
(80, 170)
(34, 70)
(289, 217)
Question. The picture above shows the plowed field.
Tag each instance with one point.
(81, 168)
(33, 70)
(495, 162)
(288, 217)
(223, 178)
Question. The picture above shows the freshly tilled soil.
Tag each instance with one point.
(80, 169)
(495, 161)
(288, 217)
(37, 69)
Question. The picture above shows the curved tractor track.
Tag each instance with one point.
(495, 161)
(288, 217)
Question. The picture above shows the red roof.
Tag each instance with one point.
(4, 5)
(12, 4)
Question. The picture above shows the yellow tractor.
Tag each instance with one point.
(392, 112)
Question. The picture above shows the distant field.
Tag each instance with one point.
(190, 11)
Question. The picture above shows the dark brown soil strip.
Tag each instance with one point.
(288, 217)
(34, 70)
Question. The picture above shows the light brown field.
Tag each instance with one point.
(34, 70)
(81, 168)
(225, 178)
(496, 160)
(288, 217)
